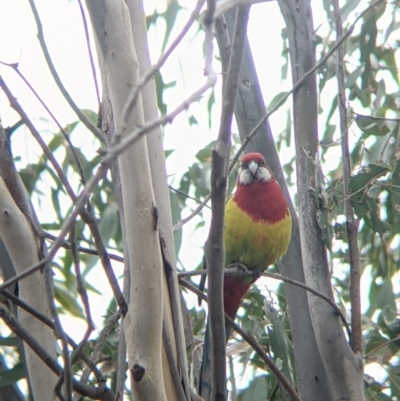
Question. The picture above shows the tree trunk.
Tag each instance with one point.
(23, 247)
(343, 368)
(249, 110)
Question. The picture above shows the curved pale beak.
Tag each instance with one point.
(253, 167)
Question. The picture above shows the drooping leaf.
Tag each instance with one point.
(371, 126)
(108, 223)
(11, 376)
(257, 391)
(279, 342)
(68, 302)
(9, 341)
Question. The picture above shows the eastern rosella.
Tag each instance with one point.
(257, 232)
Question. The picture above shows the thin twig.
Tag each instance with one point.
(14, 66)
(351, 223)
(169, 350)
(109, 155)
(101, 392)
(280, 102)
(96, 132)
(81, 287)
(92, 66)
(79, 205)
(84, 298)
(178, 191)
(178, 225)
(253, 343)
(170, 274)
(131, 101)
(241, 271)
(376, 118)
(96, 354)
(83, 249)
(9, 130)
(314, 292)
(232, 378)
(44, 319)
(86, 216)
(65, 377)
(380, 346)
(214, 249)
(302, 79)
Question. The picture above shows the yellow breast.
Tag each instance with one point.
(255, 244)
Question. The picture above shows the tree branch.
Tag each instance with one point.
(246, 140)
(253, 343)
(14, 66)
(351, 223)
(214, 248)
(100, 393)
(95, 131)
(86, 216)
(92, 66)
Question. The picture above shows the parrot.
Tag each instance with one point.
(257, 232)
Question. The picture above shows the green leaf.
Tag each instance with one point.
(108, 223)
(56, 203)
(368, 210)
(381, 295)
(170, 17)
(210, 104)
(360, 182)
(256, 391)
(9, 341)
(193, 120)
(168, 152)
(374, 341)
(90, 115)
(347, 8)
(11, 376)
(68, 301)
(364, 206)
(198, 319)
(279, 342)
(275, 100)
(176, 212)
(371, 126)
(204, 155)
(353, 76)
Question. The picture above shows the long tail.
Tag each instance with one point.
(204, 388)
(234, 291)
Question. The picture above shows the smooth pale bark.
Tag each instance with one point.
(161, 195)
(249, 109)
(343, 368)
(23, 248)
(143, 322)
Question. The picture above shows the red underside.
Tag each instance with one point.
(234, 291)
(263, 201)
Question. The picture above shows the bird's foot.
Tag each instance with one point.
(240, 270)
(256, 273)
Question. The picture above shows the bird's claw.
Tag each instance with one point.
(256, 273)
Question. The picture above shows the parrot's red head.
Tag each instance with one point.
(253, 168)
(258, 193)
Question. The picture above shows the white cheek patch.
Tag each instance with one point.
(245, 177)
(263, 174)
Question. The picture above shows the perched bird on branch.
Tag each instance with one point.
(257, 232)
